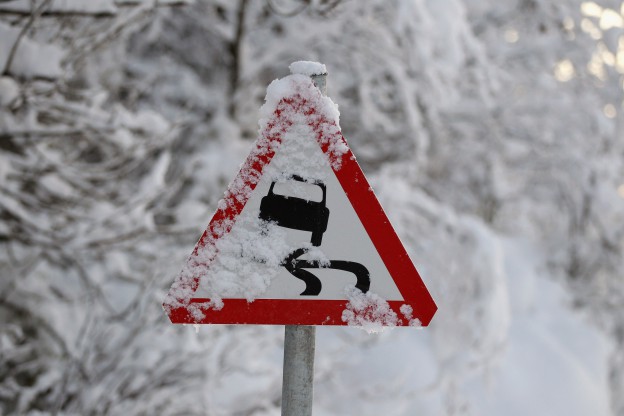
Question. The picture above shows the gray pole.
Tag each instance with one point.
(297, 391)
(299, 345)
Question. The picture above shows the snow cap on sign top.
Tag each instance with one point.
(308, 68)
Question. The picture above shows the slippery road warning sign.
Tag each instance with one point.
(299, 237)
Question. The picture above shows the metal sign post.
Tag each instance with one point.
(299, 346)
(297, 390)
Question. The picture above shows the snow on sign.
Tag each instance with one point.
(299, 237)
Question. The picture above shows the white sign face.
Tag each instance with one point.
(344, 240)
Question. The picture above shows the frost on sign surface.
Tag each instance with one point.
(299, 237)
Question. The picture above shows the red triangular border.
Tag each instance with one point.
(363, 200)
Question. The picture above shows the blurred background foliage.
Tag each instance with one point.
(491, 130)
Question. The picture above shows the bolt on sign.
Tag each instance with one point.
(299, 237)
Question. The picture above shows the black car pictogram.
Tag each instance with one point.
(297, 213)
(301, 214)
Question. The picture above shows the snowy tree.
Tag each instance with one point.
(84, 184)
(491, 131)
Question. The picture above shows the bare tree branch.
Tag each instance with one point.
(34, 15)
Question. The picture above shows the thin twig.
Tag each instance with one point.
(36, 13)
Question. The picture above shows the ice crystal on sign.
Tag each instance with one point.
(293, 107)
(298, 157)
(249, 256)
(408, 312)
(368, 311)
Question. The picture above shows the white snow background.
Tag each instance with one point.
(490, 131)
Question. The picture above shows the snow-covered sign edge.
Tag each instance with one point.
(297, 94)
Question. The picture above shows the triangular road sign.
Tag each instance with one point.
(299, 238)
